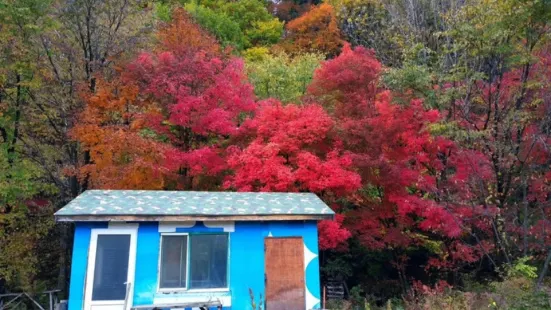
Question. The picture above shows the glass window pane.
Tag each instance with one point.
(173, 261)
(111, 267)
(208, 261)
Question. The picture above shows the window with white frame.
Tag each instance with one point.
(194, 261)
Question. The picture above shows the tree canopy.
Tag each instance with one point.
(423, 124)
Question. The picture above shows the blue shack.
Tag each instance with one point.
(138, 249)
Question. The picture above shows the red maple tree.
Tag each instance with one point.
(291, 148)
(183, 101)
(412, 181)
(294, 148)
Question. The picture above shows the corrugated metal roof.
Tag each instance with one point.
(107, 203)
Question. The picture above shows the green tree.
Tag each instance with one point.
(280, 75)
(218, 23)
(242, 23)
(86, 39)
(392, 26)
(22, 225)
(264, 33)
(258, 25)
(25, 220)
(369, 23)
(50, 51)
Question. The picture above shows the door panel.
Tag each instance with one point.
(284, 265)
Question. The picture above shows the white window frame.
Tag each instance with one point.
(172, 289)
(188, 267)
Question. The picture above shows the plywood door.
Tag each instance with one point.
(284, 265)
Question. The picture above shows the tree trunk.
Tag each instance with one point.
(525, 220)
(544, 270)
(63, 261)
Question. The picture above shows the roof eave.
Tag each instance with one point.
(186, 218)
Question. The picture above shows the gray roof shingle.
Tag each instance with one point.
(106, 203)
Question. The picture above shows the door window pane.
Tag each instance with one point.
(111, 267)
(208, 261)
(173, 262)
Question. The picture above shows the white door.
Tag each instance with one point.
(111, 267)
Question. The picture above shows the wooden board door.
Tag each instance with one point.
(284, 265)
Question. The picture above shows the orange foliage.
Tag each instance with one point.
(182, 35)
(109, 130)
(315, 31)
(158, 122)
(112, 129)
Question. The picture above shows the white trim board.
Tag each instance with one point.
(224, 298)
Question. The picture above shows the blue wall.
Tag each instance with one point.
(247, 258)
(246, 266)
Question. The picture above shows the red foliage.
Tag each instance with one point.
(353, 75)
(420, 290)
(412, 181)
(183, 116)
(510, 144)
(291, 149)
(179, 105)
(332, 234)
(204, 94)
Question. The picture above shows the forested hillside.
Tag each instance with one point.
(425, 124)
